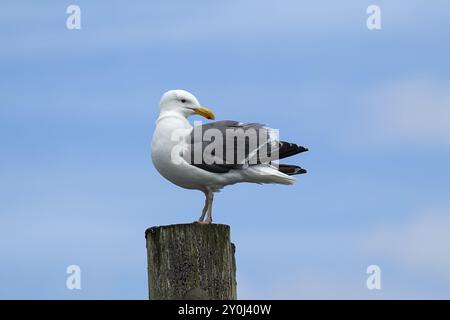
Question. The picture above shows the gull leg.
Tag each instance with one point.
(210, 196)
(205, 208)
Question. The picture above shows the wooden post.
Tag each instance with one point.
(191, 262)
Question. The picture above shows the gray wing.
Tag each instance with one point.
(224, 145)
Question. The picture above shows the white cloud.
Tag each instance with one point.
(421, 245)
(41, 28)
(413, 111)
(323, 284)
(414, 256)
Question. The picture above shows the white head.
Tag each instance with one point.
(184, 103)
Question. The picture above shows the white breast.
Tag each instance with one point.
(166, 149)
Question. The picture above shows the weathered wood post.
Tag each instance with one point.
(191, 261)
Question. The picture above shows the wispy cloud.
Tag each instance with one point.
(410, 112)
(419, 245)
(41, 28)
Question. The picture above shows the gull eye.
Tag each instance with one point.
(183, 100)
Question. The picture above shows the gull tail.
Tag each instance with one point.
(267, 174)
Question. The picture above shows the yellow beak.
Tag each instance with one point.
(205, 112)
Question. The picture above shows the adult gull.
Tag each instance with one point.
(209, 156)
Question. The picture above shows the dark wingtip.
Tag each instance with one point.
(290, 169)
(288, 149)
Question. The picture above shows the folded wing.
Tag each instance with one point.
(225, 145)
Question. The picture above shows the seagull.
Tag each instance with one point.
(185, 155)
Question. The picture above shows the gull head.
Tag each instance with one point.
(184, 103)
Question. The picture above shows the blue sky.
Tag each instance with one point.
(77, 111)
